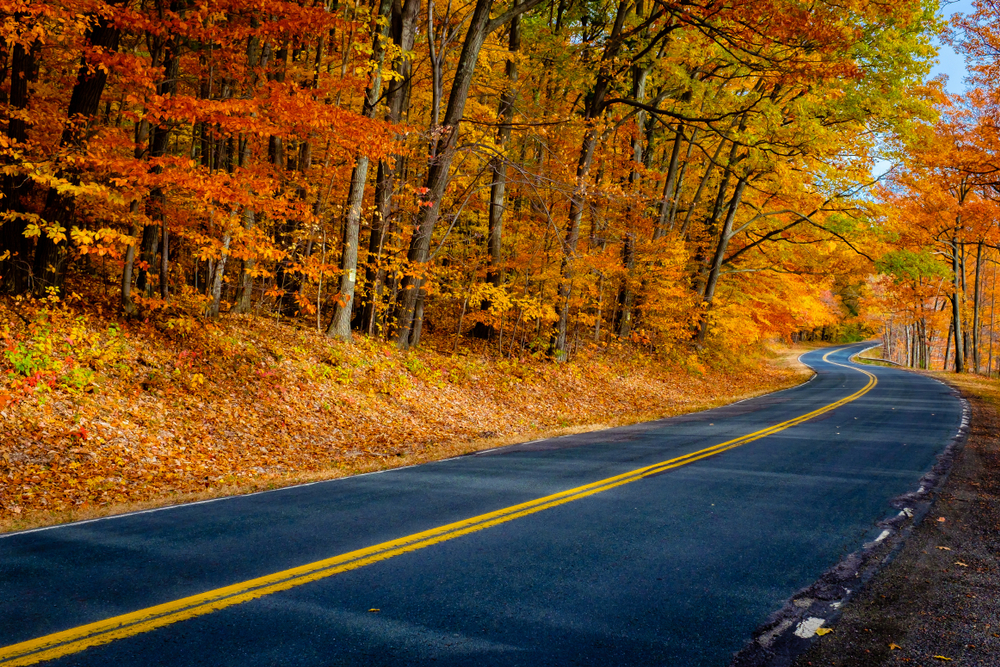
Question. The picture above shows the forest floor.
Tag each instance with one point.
(936, 602)
(101, 416)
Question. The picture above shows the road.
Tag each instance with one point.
(665, 543)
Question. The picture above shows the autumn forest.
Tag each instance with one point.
(292, 201)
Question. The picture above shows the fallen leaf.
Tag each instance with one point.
(285, 414)
(823, 631)
(894, 647)
(941, 519)
(958, 562)
(944, 548)
(941, 657)
(374, 609)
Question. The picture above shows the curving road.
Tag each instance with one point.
(665, 543)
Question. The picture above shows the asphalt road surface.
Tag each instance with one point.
(665, 543)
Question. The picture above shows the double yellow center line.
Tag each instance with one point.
(80, 638)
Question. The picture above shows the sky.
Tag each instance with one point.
(949, 62)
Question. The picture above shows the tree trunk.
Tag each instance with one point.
(993, 296)
(340, 325)
(956, 306)
(243, 301)
(220, 267)
(924, 345)
(696, 199)
(498, 169)
(594, 110)
(667, 203)
(976, 335)
(256, 55)
(947, 346)
(626, 293)
(164, 258)
(672, 218)
(15, 270)
(127, 304)
(382, 230)
(557, 348)
(50, 255)
(405, 314)
(720, 255)
(702, 277)
(626, 296)
(397, 101)
(437, 178)
(152, 233)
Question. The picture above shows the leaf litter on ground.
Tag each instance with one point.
(99, 417)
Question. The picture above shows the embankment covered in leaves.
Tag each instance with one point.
(99, 416)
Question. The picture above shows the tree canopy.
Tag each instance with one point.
(537, 175)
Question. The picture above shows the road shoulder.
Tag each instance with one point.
(936, 601)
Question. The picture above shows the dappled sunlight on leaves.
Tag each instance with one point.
(94, 415)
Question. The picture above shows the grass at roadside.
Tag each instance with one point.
(869, 357)
(99, 418)
(975, 386)
(874, 362)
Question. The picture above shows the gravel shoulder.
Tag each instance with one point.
(938, 601)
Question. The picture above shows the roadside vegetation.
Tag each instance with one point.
(873, 357)
(245, 246)
(99, 415)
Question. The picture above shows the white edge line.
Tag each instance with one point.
(115, 516)
(151, 510)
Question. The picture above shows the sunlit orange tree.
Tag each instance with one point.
(538, 175)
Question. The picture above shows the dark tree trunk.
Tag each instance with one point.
(404, 30)
(256, 55)
(403, 319)
(675, 205)
(155, 233)
(498, 169)
(977, 294)
(696, 199)
(15, 270)
(720, 254)
(667, 204)
(217, 276)
(626, 297)
(340, 325)
(405, 314)
(594, 109)
(956, 305)
(128, 270)
(626, 293)
(702, 277)
(244, 291)
(50, 255)
(557, 347)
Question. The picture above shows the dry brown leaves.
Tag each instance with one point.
(107, 416)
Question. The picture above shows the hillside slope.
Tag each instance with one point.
(99, 416)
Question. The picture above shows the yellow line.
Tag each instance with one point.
(77, 639)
